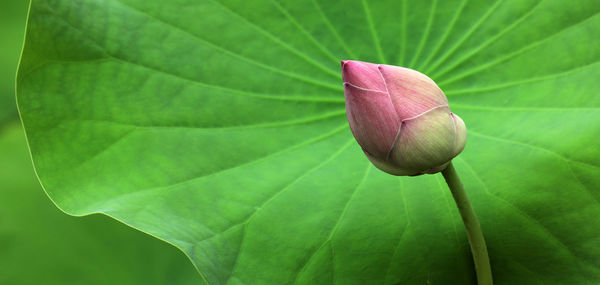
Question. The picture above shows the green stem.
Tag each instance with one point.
(474, 233)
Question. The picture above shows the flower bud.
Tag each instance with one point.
(401, 118)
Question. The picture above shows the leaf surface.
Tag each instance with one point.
(219, 126)
(42, 245)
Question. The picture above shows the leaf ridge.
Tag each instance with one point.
(402, 235)
(332, 29)
(445, 35)
(520, 82)
(524, 215)
(516, 53)
(230, 91)
(303, 30)
(373, 32)
(402, 56)
(566, 159)
(490, 41)
(335, 228)
(186, 181)
(279, 41)
(222, 49)
(465, 36)
(425, 36)
(301, 121)
(523, 109)
(283, 190)
(561, 157)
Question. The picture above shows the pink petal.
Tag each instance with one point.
(412, 92)
(362, 74)
(372, 119)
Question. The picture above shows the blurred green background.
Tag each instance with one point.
(38, 243)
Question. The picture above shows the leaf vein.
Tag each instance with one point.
(518, 82)
(208, 43)
(523, 214)
(240, 127)
(532, 146)
(473, 28)
(517, 52)
(490, 41)
(373, 32)
(248, 220)
(445, 36)
(425, 36)
(248, 163)
(333, 30)
(336, 226)
(303, 30)
(279, 41)
(402, 235)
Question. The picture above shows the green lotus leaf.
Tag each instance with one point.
(219, 126)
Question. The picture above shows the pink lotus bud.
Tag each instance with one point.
(401, 118)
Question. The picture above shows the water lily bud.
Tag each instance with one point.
(401, 118)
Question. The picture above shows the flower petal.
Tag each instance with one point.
(412, 92)
(425, 142)
(372, 119)
(390, 168)
(460, 134)
(362, 74)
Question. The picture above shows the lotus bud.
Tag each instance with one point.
(401, 118)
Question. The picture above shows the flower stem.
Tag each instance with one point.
(474, 233)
